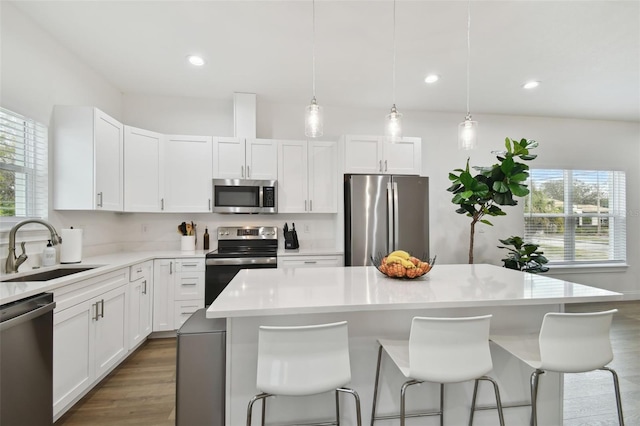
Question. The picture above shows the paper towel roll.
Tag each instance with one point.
(71, 247)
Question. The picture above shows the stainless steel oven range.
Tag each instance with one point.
(239, 247)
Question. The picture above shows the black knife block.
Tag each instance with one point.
(291, 240)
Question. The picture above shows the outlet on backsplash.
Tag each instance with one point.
(306, 228)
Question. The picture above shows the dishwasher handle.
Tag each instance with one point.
(28, 316)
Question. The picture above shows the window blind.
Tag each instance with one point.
(23, 166)
(577, 216)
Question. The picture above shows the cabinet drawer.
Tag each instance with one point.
(190, 265)
(140, 270)
(189, 285)
(184, 309)
(80, 291)
(309, 261)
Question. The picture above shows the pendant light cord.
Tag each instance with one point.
(394, 52)
(313, 48)
(468, 53)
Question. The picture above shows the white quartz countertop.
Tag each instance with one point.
(310, 252)
(13, 291)
(263, 292)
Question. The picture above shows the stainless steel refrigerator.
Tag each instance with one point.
(384, 213)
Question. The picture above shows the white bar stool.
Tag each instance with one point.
(301, 361)
(440, 350)
(566, 343)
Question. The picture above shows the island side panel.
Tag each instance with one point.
(364, 329)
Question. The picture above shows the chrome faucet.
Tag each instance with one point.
(13, 262)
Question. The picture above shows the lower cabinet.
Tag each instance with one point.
(140, 298)
(89, 334)
(309, 261)
(178, 291)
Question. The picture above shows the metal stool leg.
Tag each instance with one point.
(375, 387)
(473, 401)
(441, 404)
(616, 385)
(403, 391)
(357, 401)
(534, 396)
(263, 397)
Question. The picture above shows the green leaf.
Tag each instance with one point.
(519, 177)
(454, 187)
(507, 144)
(466, 194)
(458, 199)
(507, 165)
(518, 190)
(453, 177)
(486, 222)
(500, 187)
(529, 157)
(504, 199)
(467, 180)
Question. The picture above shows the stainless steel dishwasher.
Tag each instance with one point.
(201, 370)
(26, 361)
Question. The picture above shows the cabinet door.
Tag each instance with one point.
(229, 158)
(111, 344)
(163, 283)
(135, 301)
(187, 173)
(323, 177)
(292, 177)
(109, 172)
(403, 156)
(73, 353)
(142, 179)
(146, 313)
(363, 154)
(261, 159)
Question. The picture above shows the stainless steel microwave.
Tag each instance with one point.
(245, 196)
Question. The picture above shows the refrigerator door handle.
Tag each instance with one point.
(396, 221)
(390, 213)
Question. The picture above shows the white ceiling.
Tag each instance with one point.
(585, 53)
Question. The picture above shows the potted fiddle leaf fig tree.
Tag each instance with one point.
(524, 256)
(481, 195)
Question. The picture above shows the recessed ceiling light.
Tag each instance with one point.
(531, 84)
(195, 60)
(431, 78)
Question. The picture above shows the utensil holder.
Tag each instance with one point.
(188, 243)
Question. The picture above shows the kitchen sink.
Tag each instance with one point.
(49, 275)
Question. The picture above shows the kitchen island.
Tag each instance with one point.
(376, 306)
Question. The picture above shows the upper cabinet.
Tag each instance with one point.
(374, 154)
(143, 184)
(307, 177)
(187, 174)
(88, 160)
(238, 158)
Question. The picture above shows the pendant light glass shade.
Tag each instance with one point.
(467, 133)
(393, 128)
(313, 119)
(313, 113)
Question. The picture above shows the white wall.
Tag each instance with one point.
(37, 73)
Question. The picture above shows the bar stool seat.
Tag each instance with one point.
(566, 343)
(440, 350)
(303, 361)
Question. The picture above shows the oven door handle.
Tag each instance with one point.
(242, 261)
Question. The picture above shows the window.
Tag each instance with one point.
(577, 216)
(23, 167)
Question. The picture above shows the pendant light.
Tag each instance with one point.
(313, 112)
(393, 122)
(468, 129)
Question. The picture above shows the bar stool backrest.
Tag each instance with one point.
(575, 342)
(449, 350)
(303, 360)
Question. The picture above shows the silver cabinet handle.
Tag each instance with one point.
(248, 172)
(187, 313)
(305, 205)
(95, 318)
(242, 171)
(192, 264)
(144, 289)
(209, 204)
(170, 268)
(380, 165)
(102, 308)
(310, 205)
(161, 203)
(310, 261)
(99, 199)
(385, 165)
(189, 284)
(139, 270)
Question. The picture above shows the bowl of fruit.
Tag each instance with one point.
(401, 264)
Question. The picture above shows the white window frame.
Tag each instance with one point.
(616, 217)
(30, 139)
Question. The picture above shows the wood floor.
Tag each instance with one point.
(141, 391)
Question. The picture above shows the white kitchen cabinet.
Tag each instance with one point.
(310, 261)
(89, 334)
(187, 174)
(143, 184)
(376, 155)
(140, 302)
(178, 289)
(307, 177)
(239, 158)
(88, 153)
